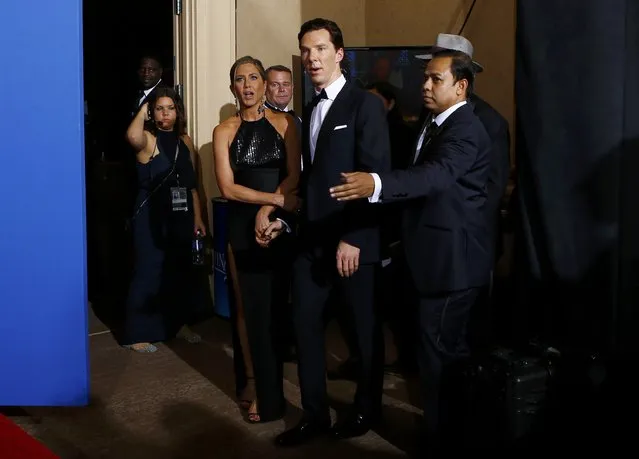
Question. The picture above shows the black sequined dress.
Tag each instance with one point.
(258, 159)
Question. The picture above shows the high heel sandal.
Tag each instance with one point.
(254, 418)
(244, 402)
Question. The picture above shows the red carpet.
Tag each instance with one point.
(15, 443)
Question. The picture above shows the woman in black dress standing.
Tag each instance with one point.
(257, 166)
(166, 214)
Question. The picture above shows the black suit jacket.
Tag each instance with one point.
(497, 128)
(361, 143)
(445, 236)
(135, 104)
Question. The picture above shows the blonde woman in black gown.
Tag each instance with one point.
(257, 166)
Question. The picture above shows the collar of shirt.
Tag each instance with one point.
(439, 119)
(148, 91)
(274, 107)
(333, 89)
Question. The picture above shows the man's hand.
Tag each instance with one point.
(347, 259)
(271, 232)
(357, 185)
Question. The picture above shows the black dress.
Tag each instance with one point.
(160, 294)
(258, 159)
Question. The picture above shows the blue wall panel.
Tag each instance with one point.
(43, 291)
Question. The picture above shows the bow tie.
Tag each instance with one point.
(318, 97)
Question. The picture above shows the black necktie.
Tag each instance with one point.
(316, 98)
(431, 131)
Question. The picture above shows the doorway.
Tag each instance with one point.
(117, 34)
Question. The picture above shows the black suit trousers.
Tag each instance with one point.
(442, 343)
(314, 278)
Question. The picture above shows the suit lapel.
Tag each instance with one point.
(428, 144)
(338, 106)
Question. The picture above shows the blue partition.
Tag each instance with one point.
(43, 291)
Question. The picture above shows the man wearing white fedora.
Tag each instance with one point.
(499, 133)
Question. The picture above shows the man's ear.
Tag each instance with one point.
(462, 87)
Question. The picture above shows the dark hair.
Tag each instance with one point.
(151, 57)
(278, 68)
(180, 119)
(461, 67)
(247, 60)
(385, 89)
(323, 24)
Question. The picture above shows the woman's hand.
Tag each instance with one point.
(273, 230)
(145, 109)
(262, 220)
(199, 226)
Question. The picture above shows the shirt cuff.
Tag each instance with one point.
(286, 227)
(378, 189)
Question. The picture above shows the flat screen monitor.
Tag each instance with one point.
(395, 65)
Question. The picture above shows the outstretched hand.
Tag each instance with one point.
(356, 185)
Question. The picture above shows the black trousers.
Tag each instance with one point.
(314, 278)
(442, 343)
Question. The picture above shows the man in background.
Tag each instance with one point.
(279, 91)
(150, 77)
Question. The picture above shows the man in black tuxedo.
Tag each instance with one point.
(344, 128)
(150, 77)
(445, 234)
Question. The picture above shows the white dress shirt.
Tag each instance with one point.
(317, 118)
(148, 91)
(321, 109)
(439, 120)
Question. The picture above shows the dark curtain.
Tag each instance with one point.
(575, 206)
(577, 158)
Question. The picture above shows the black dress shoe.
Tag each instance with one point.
(302, 433)
(354, 426)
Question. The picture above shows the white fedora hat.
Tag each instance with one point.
(447, 42)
